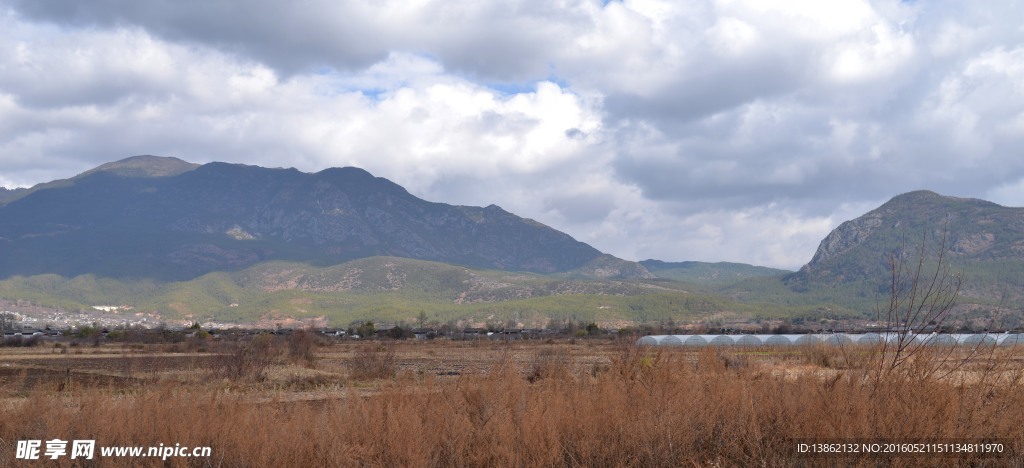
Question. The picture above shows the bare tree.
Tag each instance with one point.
(922, 293)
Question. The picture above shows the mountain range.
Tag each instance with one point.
(166, 219)
(236, 242)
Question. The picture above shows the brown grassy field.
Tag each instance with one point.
(300, 401)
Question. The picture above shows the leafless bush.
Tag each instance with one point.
(922, 293)
(302, 348)
(248, 359)
(373, 361)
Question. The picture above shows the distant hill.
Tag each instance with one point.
(387, 289)
(709, 274)
(167, 219)
(983, 240)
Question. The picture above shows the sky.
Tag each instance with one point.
(730, 130)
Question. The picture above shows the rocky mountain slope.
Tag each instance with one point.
(983, 240)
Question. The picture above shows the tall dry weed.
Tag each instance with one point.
(649, 408)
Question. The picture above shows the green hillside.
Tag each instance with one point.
(393, 289)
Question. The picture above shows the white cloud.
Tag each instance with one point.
(406, 118)
(763, 235)
(1010, 194)
(808, 18)
(713, 130)
(733, 36)
(879, 56)
(954, 38)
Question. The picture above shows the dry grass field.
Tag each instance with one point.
(303, 401)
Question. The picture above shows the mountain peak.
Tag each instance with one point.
(145, 166)
(917, 195)
(347, 171)
(932, 199)
(358, 179)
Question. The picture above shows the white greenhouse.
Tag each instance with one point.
(833, 339)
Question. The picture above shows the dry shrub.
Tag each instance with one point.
(302, 348)
(373, 361)
(248, 359)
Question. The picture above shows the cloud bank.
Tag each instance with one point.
(698, 130)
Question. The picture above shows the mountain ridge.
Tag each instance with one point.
(709, 273)
(149, 214)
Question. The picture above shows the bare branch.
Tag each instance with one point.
(922, 295)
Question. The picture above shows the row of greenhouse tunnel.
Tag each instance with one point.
(937, 339)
